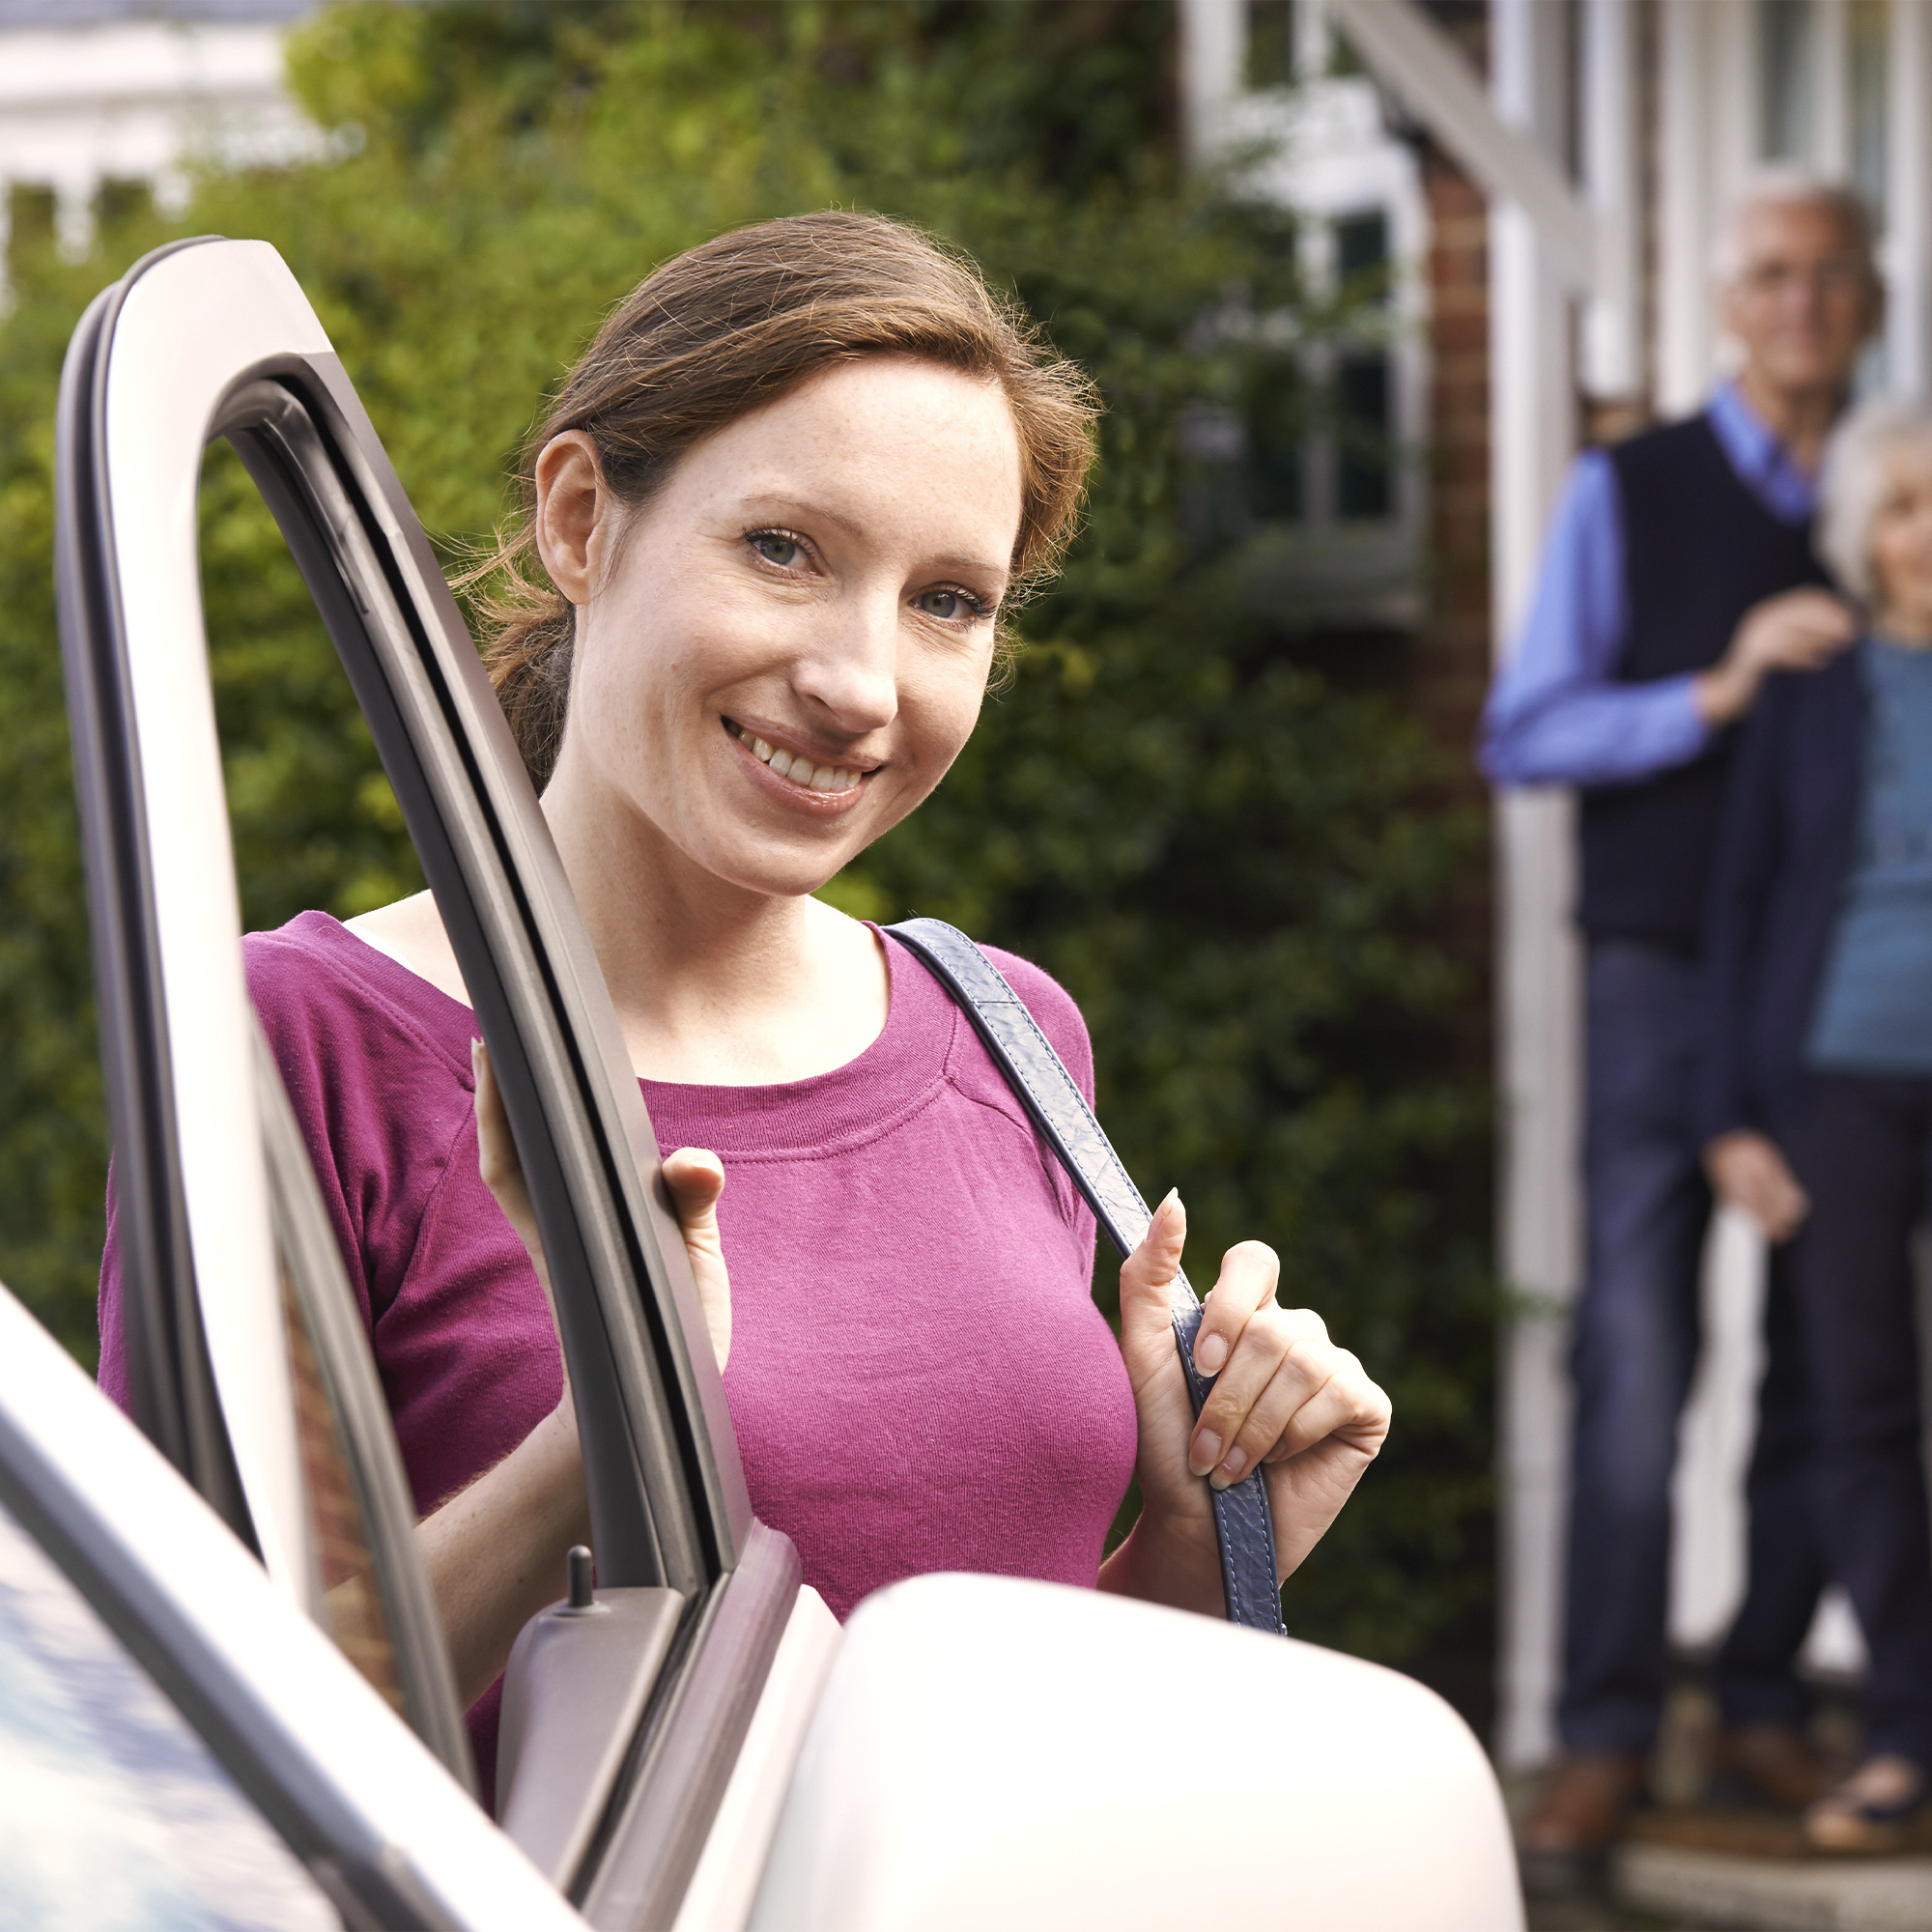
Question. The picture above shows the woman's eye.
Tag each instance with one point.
(949, 606)
(776, 548)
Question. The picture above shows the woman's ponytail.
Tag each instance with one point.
(531, 628)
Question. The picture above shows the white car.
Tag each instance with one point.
(224, 1696)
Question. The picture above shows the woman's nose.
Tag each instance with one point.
(852, 671)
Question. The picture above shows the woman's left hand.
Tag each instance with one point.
(1286, 1398)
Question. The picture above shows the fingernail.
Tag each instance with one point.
(1204, 1452)
(1210, 1352)
(1230, 1472)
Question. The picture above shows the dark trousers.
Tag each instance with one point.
(1633, 1353)
(1863, 1149)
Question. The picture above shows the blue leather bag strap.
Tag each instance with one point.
(1243, 1526)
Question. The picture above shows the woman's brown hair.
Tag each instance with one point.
(730, 326)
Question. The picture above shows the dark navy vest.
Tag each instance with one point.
(1699, 550)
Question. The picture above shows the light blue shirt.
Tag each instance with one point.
(1874, 1010)
(1556, 713)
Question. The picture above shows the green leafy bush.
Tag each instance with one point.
(1241, 869)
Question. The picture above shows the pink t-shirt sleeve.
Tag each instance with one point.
(381, 1100)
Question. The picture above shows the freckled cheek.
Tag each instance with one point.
(936, 719)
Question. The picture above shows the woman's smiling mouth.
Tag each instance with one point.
(794, 767)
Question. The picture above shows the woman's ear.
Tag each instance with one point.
(571, 504)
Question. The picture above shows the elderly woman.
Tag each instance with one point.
(1817, 1087)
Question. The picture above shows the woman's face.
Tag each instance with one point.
(779, 657)
(1902, 539)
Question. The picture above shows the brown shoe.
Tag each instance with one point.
(1878, 1809)
(1775, 1764)
(1582, 1804)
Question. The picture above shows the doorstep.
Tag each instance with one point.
(1772, 1893)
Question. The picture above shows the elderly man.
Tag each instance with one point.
(1648, 636)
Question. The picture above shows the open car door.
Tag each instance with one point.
(248, 1362)
(983, 1748)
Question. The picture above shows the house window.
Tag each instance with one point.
(1271, 42)
(1786, 73)
(1362, 258)
(1363, 483)
(1865, 31)
(1274, 451)
(1363, 387)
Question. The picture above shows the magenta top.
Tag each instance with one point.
(919, 1378)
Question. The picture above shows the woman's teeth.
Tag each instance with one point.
(801, 771)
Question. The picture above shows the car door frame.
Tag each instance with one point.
(216, 338)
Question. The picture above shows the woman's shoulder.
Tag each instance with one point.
(320, 991)
(1055, 1011)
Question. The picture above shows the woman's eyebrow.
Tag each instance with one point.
(969, 566)
(802, 508)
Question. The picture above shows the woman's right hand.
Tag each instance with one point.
(694, 1178)
(1748, 1170)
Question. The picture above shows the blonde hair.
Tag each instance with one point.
(1853, 483)
(736, 324)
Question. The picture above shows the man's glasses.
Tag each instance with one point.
(1834, 275)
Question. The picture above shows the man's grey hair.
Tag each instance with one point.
(1790, 187)
(1853, 485)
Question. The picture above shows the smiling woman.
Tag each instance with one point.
(743, 629)
(822, 578)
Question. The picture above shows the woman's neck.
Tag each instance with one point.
(715, 984)
(1902, 625)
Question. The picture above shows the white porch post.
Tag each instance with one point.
(1612, 335)
(1908, 193)
(1213, 39)
(1685, 226)
(1532, 409)
(1831, 124)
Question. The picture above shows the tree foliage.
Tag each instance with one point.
(1241, 869)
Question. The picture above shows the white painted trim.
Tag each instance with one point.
(1831, 101)
(1612, 346)
(1419, 63)
(1213, 42)
(1734, 113)
(1908, 241)
(1532, 431)
(1684, 214)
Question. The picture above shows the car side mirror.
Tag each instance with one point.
(990, 1751)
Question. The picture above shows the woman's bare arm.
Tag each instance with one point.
(496, 1550)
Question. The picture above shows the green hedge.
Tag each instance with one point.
(1240, 870)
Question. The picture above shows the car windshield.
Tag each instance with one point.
(112, 1812)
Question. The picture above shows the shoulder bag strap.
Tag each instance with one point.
(1058, 1109)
